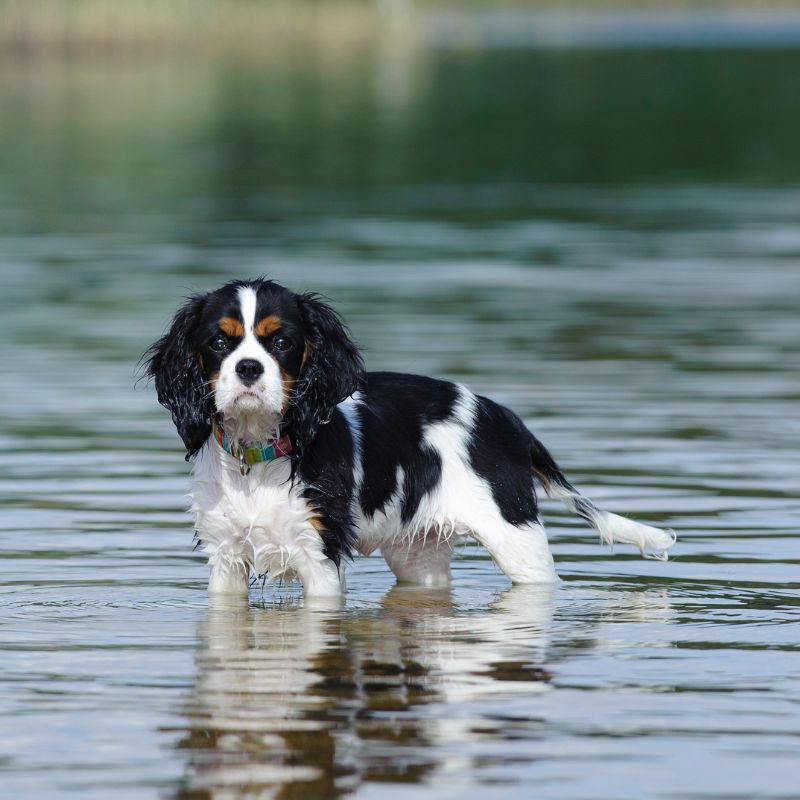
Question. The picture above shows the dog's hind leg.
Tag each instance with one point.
(521, 551)
(424, 559)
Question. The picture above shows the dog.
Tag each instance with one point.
(301, 458)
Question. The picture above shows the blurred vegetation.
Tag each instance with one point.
(226, 140)
(334, 105)
(265, 27)
(203, 26)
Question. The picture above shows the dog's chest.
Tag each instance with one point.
(261, 518)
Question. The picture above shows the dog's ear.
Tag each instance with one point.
(174, 363)
(332, 370)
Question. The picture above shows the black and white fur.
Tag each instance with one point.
(403, 463)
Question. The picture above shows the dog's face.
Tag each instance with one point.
(252, 343)
(263, 357)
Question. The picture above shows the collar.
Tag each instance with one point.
(254, 453)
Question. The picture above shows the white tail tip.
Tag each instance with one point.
(652, 542)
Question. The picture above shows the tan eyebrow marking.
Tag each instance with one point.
(267, 325)
(231, 327)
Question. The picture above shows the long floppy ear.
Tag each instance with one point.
(332, 371)
(173, 362)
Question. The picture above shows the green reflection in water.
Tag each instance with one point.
(228, 141)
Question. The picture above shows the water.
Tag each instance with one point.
(521, 221)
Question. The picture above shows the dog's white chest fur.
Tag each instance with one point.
(259, 521)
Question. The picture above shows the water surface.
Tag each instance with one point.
(618, 264)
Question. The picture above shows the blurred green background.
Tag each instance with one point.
(220, 107)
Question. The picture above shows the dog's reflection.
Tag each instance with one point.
(310, 701)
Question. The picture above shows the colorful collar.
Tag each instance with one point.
(255, 453)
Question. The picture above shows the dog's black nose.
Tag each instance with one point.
(249, 371)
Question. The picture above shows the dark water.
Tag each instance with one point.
(607, 241)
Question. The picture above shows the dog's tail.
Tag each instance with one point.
(652, 542)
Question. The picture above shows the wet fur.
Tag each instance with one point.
(404, 463)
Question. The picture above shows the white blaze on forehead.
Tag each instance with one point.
(247, 306)
(251, 411)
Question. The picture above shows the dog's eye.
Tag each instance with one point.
(218, 344)
(282, 344)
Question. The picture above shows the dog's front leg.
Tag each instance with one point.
(229, 576)
(321, 578)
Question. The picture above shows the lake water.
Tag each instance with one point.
(608, 241)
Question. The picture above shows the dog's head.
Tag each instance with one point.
(266, 359)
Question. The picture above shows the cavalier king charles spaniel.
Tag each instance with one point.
(301, 457)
